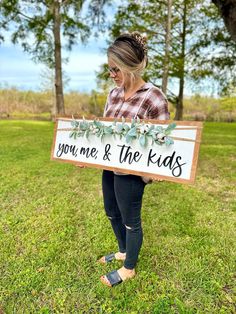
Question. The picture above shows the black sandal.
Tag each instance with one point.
(113, 277)
(108, 258)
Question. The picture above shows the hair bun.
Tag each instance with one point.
(141, 39)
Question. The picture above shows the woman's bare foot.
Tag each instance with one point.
(118, 256)
(124, 274)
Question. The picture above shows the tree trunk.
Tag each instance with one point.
(179, 105)
(60, 109)
(227, 10)
(167, 48)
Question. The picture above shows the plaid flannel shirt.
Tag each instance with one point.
(148, 102)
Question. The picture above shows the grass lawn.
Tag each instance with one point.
(53, 229)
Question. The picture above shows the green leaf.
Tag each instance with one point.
(157, 142)
(143, 140)
(132, 123)
(84, 125)
(167, 132)
(119, 128)
(71, 134)
(151, 128)
(99, 133)
(170, 128)
(152, 133)
(128, 139)
(126, 127)
(108, 130)
(97, 123)
(132, 132)
(168, 141)
(74, 124)
(159, 129)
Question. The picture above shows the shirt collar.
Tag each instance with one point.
(145, 87)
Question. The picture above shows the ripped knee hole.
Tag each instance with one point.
(128, 227)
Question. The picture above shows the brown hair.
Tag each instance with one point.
(129, 53)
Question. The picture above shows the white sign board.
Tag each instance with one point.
(176, 162)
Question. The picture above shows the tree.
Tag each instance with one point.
(196, 36)
(227, 10)
(165, 59)
(167, 47)
(215, 51)
(39, 26)
(47, 84)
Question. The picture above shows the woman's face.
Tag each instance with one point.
(116, 74)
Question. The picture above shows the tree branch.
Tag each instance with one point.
(227, 9)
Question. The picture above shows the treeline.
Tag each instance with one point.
(38, 105)
(15, 103)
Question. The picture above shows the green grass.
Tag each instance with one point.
(53, 229)
(34, 116)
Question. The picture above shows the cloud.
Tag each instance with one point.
(84, 62)
(17, 69)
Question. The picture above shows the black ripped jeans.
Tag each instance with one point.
(122, 196)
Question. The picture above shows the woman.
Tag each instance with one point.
(122, 193)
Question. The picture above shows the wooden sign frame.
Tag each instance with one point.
(180, 125)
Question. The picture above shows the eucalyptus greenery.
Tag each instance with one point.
(136, 130)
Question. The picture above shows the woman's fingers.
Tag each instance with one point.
(157, 180)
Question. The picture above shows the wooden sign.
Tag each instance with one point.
(159, 149)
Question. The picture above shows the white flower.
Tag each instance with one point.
(94, 131)
(144, 128)
(161, 137)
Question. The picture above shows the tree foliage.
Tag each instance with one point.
(200, 45)
(31, 24)
(43, 27)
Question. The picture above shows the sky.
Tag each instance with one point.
(17, 69)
